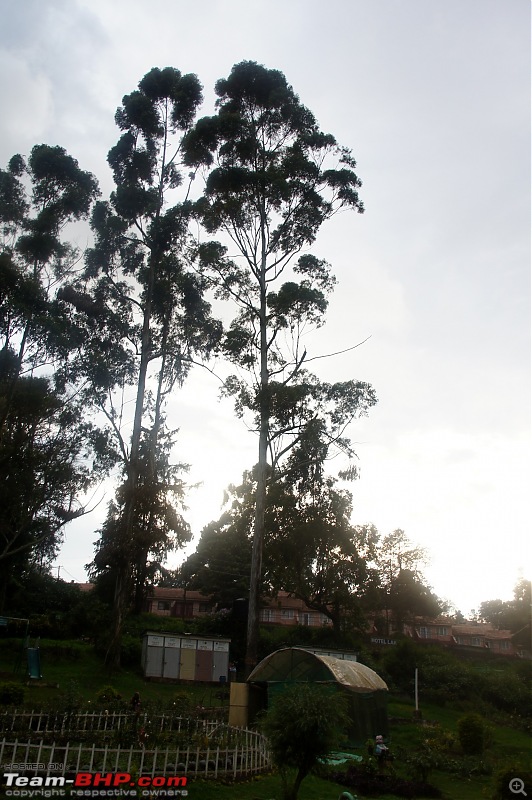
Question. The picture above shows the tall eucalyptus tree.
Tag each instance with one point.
(142, 304)
(274, 179)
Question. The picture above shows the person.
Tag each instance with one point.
(135, 703)
(381, 751)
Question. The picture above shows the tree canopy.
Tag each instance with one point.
(49, 450)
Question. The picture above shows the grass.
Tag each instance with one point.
(74, 669)
(264, 788)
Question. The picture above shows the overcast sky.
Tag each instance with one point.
(433, 97)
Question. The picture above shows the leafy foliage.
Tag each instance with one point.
(49, 452)
(11, 694)
(472, 734)
(303, 724)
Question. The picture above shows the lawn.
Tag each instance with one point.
(72, 672)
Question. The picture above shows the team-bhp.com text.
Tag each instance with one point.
(98, 784)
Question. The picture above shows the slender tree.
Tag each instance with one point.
(142, 304)
(274, 179)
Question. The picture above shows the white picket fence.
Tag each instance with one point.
(249, 757)
(77, 722)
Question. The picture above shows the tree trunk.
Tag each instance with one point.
(291, 792)
(133, 472)
(262, 473)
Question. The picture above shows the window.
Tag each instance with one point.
(424, 632)
(475, 641)
(267, 615)
(162, 605)
(203, 607)
(306, 619)
(505, 645)
(287, 613)
(442, 631)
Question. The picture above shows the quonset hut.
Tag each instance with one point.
(365, 691)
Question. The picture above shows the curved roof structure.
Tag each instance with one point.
(298, 664)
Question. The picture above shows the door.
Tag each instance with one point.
(172, 652)
(187, 666)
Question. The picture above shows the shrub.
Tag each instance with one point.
(502, 790)
(364, 779)
(303, 724)
(472, 734)
(11, 694)
(71, 697)
(130, 651)
(182, 702)
(108, 695)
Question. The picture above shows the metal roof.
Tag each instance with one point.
(298, 664)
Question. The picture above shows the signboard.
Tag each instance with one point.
(204, 644)
(171, 641)
(221, 647)
(188, 644)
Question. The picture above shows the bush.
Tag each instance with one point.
(303, 724)
(182, 702)
(71, 697)
(507, 693)
(108, 695)
(503, 778)
(364, 779)
(472, 734)
(130, 651)
(11, 694)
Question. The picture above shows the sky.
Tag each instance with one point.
(433, 98)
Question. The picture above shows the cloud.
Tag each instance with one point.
(26, 98)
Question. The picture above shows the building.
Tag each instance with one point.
(287, 610)
(181, 603)
(464, 636)
(191, 604)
